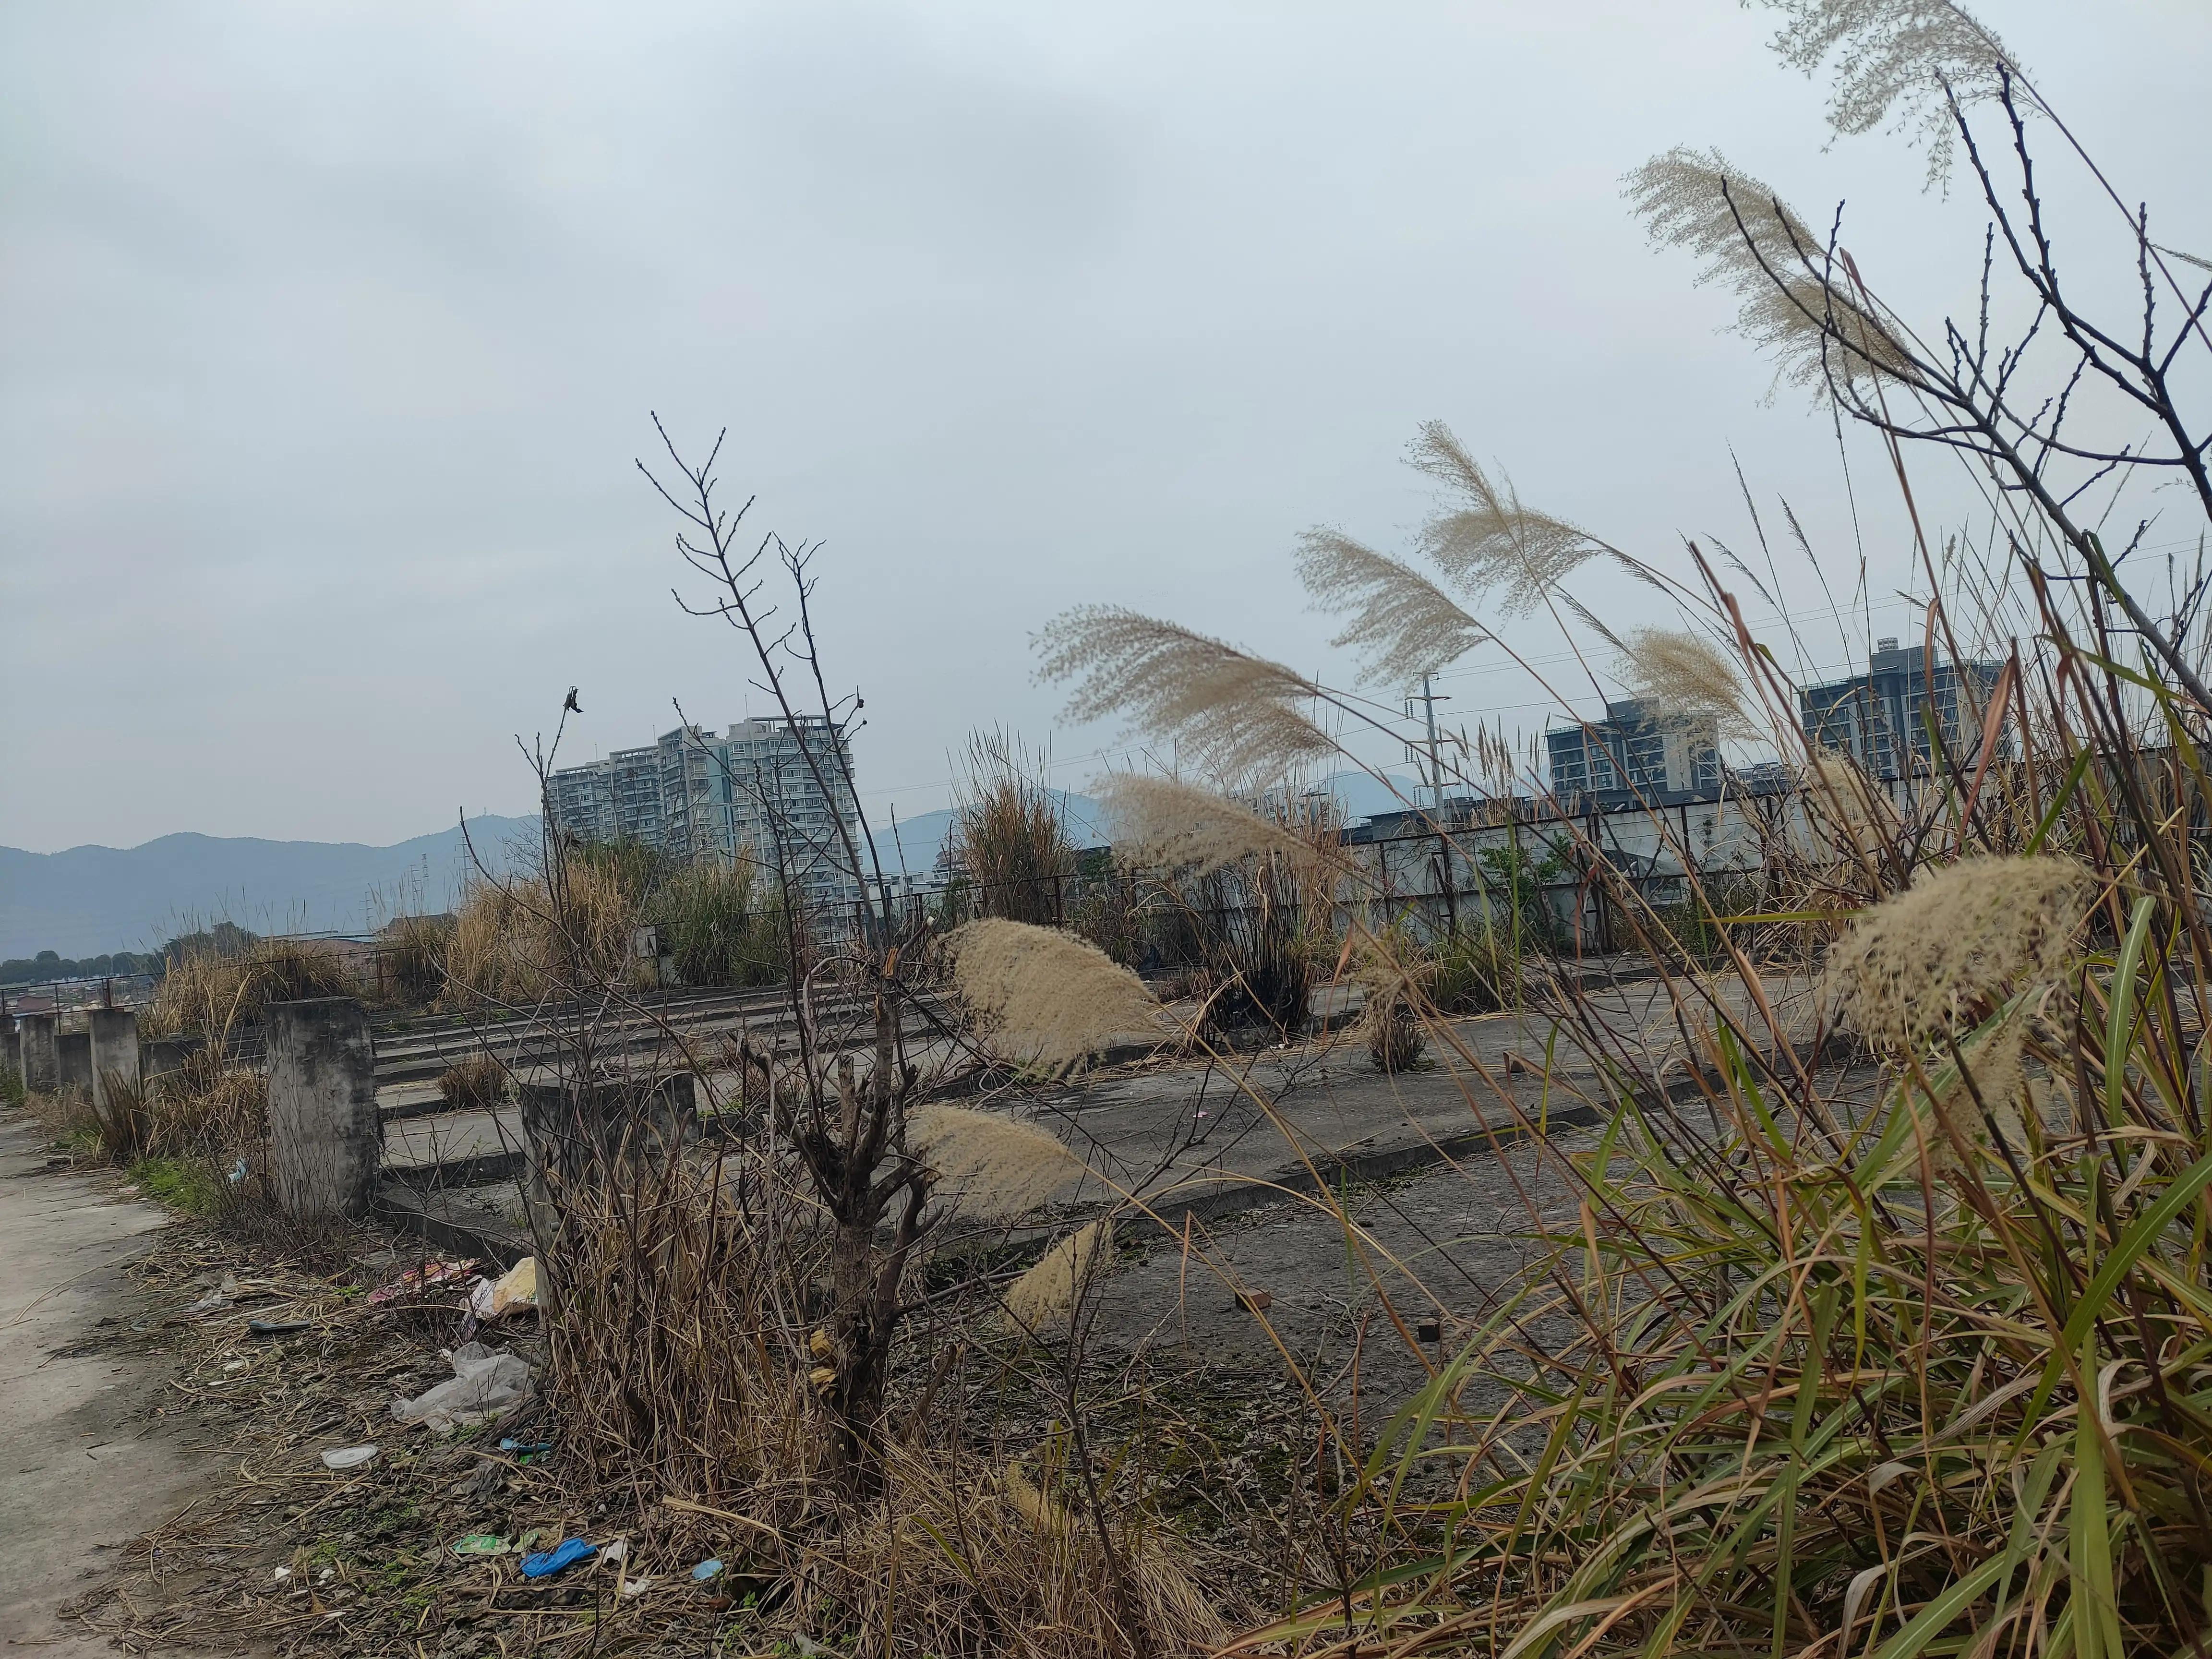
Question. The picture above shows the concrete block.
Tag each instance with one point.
(73, 1061)
(324, 1141)
(158, 1056)
(114, 1034)
(577, 1138)
(41, 1068)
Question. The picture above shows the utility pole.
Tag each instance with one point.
(1435, 769)
(1447, 878)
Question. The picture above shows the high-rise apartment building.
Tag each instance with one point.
(776, 792)
(1630, 752)
(1881, 718)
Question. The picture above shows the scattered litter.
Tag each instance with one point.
(636, 1586)
(234, 1365)
(479, 1302)
(615, 1554)
(1256, 1301)
(554, 1560)
(526, 1447)
(347, 1457)
(517, 1288)
(483, 1543)
(483, 1385)
(218, 1298)
(1204, 1113)
(709, 1568)
(417, 1281)
(238, 1172)
(284, 1572)
(527, 1539)
(278, 1327)
(326, 1574)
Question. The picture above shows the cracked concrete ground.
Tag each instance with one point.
(84, 1465)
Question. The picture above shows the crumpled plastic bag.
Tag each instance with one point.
(485, 1384)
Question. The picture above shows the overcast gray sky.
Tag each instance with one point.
(330, 332)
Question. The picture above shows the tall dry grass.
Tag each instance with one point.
(514, 945)
(208, 991)
(687, 1361)
(1877, 1322)
(1012, 834)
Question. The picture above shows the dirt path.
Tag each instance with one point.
(84, 1467)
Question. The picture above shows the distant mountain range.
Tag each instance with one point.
(91, 899)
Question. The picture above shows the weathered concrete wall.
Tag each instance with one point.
(73, 1059)
(159, 1056)
(114, 1034)
(324, 1141)
(11, 1049)
(579, 1138)
(41, 1071)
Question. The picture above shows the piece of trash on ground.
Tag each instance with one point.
(483, 1385)
(479, 1298)
(483, 1543)
(284, 1572)
(417, 1281)
(636, 1586)
(278, 1327)
(219, 1296)
(527, 1448)
(527, 1539)
(709, 1568)
(616, 1552)
(516, 1288)
(545, 1565)
(238, 1172)
(347, 1457)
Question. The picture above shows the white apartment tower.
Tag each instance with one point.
(778, 791)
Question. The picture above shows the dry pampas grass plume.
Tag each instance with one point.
(1229, 712)
(1171, 824)
(994, 1168)
(1892, 59)
(1749, 241)
(1955, 943)
(1683, 679)
(1046, 1293)
(1492, 544)
(1401, 624)
(1045, 996)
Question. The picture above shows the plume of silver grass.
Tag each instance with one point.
(1400, 623)
(1748, 240)
(1488, 542)
(1228, 711)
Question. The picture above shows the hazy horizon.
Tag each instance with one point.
(332, 334)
